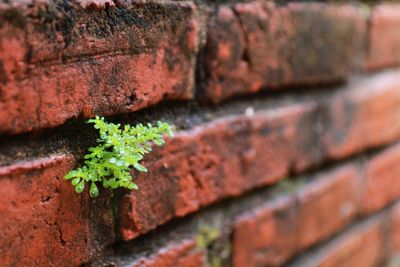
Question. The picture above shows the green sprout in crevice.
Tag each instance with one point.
(211, 241)
(117, 152)
(207, 236)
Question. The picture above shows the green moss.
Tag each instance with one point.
(207, 236)
(210, 240)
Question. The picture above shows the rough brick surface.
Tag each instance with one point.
(238, 168)
(384, 37)
(229, 156)
(382, 176)
(43, 221)
(363, 245)
(214, 161)
(270, 235)
(335, 199)
(183, 254)
(364, 116)
(60, 60)
(256, 45)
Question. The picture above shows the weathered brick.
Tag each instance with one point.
(267, 236)
(384, 37)
(55, 31)
(220, 159)
(231, 155)
(381, 181)
(99, 86)
(270, 235)
(43, 221)
(365, 115)
(183, 254)
(60, 61)
(252, 46)
(331, 202)
(363, 245)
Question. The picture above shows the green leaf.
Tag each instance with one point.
(213, 234)
(133, 186)
(94, 191)
(114, 184)
(75, 181)
(201, 242)
(69, 175)
(159, 142)
(105, 183)
(140, 167)
(79, 188)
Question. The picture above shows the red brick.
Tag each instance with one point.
(362, 246)
(99, 86)
(217, 160)
(384, 37)
(270, 235)
(98, 4)
(48, 33)
(231, 155)
(102, 62)
(43, 219)
(257, 45)
(382, 180)
(183, 254)
(266, 236)
(364, 115)
(326, 205)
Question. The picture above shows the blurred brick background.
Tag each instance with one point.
(287, 145)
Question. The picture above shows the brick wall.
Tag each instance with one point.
(287, 142)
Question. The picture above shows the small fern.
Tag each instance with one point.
(118, 150)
